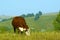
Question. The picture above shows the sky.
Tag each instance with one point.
(19, 7)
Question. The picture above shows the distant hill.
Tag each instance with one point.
(51, 13)
(4, 18)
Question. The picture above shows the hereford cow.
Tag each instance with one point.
(20, 24)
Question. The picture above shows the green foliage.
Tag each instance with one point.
(58, 18)
(57, 22)
(38, 15)
(4, 19)
(30, 15)
(23, 15)
(56, 26)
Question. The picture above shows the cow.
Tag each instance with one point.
(19, 23)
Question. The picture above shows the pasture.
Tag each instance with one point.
(33, 36)
(42, 29)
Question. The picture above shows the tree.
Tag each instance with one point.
(23, 15)
(38, 15)
(57, 22)
(30, 15)
(58, 17)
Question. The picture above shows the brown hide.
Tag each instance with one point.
(19, 22)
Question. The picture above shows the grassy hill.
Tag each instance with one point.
(44, 23)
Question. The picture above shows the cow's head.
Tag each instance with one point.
(27, 31)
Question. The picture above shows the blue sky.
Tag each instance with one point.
(18, 7)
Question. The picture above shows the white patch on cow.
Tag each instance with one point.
(28, 32)
(20, 28)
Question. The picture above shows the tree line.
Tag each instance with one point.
(36, 16)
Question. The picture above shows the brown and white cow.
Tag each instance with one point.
(19, 23)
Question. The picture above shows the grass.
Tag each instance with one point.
(44, 22)
(33, 36)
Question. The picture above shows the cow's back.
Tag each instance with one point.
(19, 22)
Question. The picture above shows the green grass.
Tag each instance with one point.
(45, 22)
(33, 36)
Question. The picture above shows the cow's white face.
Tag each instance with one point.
(20, 28)
(27, 32)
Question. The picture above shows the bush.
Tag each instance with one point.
(30, 15)
(57, 23)
(38, 15)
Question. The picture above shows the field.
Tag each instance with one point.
(41, 29)
(33, 36)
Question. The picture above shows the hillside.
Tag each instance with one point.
(45, 23)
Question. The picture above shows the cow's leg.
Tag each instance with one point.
(21, 32)
(14, 30)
